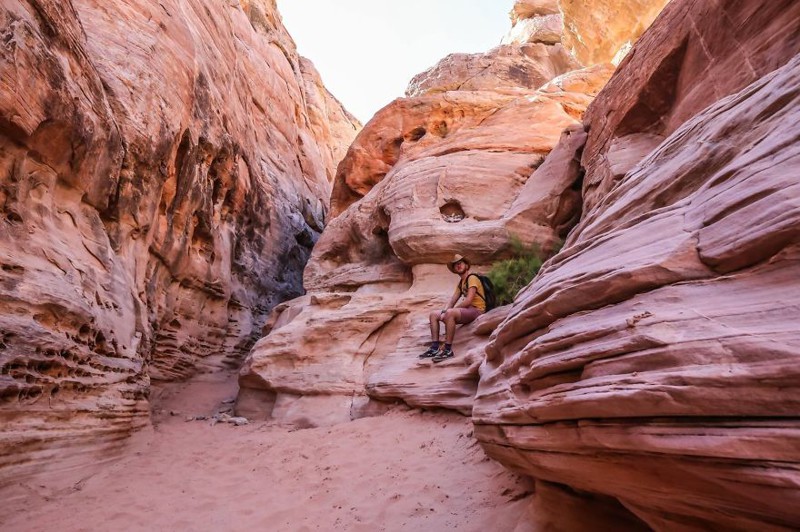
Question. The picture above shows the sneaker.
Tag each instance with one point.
(430, 353)
(444, 354)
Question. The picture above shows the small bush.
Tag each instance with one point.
(512, 275)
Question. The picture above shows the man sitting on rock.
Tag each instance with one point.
(465, 311)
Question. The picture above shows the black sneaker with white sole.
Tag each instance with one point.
(430, 353)
(444, 354)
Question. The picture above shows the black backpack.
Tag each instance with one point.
(488, 290)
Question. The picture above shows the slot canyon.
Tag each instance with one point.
(216, 282)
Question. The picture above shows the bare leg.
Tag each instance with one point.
(434, 319)
(450, 318)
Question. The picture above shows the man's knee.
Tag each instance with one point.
(451, 314)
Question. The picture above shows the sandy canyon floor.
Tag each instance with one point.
(405, 470)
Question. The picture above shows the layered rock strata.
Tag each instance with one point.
(431, 175)
(164, 171)
(654, 359)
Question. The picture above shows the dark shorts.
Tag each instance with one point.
(468, 315)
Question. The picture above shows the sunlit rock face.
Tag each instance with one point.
(528, 57)
(535, 21)
(447, 104)
(508, 67)
(655, 357)
(164, 172)
(439, 173)
(601, 31)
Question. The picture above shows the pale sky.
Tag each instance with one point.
(368, 50)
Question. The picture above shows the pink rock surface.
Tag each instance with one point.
(164, 172)
(654, 359)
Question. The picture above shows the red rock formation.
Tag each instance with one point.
(508, 67)
(428, 176)
(448, 103)
(164, 169)
(654, 359)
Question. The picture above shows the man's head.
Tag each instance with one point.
(458, 265)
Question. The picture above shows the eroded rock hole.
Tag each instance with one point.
(202, 238)
(382, 221)
(416, 134)
(305, 238)
(219, 174)
(440, 129)
(377, 248)
(12, 268)
(391, 150)
(452, 211)
(651, 113)
(9, 393)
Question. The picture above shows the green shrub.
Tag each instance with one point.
(512, 275)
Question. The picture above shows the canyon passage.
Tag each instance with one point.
(215, 282)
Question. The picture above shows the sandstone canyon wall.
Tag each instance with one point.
(647, 378)
(655, 357)
(165, 169)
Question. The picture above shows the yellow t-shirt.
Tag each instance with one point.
(479, 301)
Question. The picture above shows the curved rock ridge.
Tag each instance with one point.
(655, 357)
(164, 171)
(441, 173)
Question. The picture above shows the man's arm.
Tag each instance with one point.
(452, 304)
(467, 301)
(453, 300)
